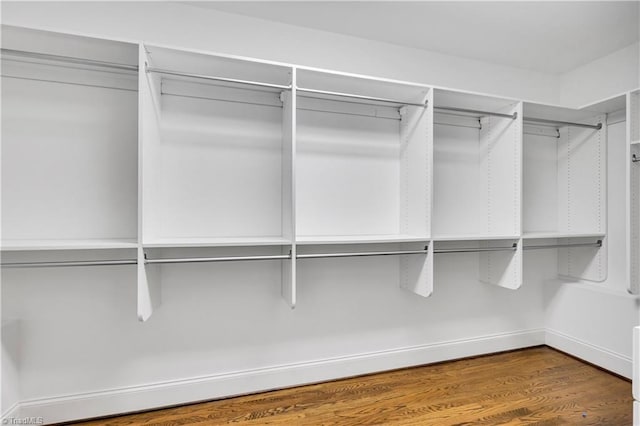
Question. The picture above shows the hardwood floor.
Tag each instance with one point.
(537, 386)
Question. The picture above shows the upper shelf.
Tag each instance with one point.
(340, 87)
(585, 115)
(478, 105)
(191, 65)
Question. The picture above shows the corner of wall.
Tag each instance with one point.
(613, 74)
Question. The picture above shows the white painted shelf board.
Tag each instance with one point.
(635, 142)
(358, 239)
(461, 99)
(474, 237)
(544, 235)
(216, 242)
(550, 112)
(89, 244)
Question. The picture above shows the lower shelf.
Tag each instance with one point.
(88, 244)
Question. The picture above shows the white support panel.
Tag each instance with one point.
(416, 168)
(582, 198)
(150, 115)
(501, 164)
(586, 263)
(502, 268)
(633, 116)
(149, 287)
(633, 191)
(582, 178)
(634, 219)
(416, 271)
(288, 190)
(636, 366)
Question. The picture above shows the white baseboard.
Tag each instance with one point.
(604, 358)
(117, 401)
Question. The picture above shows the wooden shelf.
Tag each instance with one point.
(216, 242)
(358, 239)
(89, 244)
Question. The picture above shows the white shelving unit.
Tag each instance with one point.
(633, 173)
(363, 171)
(216, 158)
(565, 187)
(477, 175)
(69, 148)
(239, 162)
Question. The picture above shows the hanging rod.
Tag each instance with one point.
(475, 111)
(361, 254)
(479, 249)
(209, 77)
(542, 135)
(70, 59)
(70, 263)
(361, 97)
(635, 159)
(564, 123)
(218, 259)
(596, 244)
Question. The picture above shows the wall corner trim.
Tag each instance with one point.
(597, 355)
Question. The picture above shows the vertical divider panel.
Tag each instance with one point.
(149, 110)
(633, 192)
(582, 198)
(502, 143)
(416, 271)
(416, 195)
(288, 191)
(501, 158)
(502, 268)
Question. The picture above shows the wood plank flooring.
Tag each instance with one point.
(537, 386)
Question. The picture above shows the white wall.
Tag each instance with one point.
(193, 27)
(605, 77)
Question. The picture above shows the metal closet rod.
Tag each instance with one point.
(478, 249)
(286, 256)
(69, 59)
(361, 254)
(360, 97)
(218, 259)
(563, 123)
(596, 244)
(476, 111)
(214, 78)
(69, 263)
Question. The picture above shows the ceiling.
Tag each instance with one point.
(551, 37)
